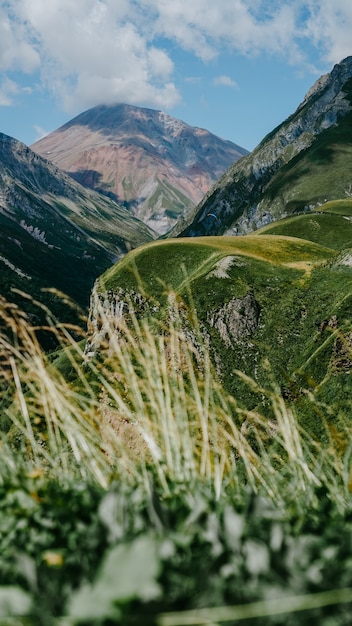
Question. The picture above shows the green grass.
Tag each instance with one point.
(337, 207)
(299, 288)
(330, 227)
(170, 262)
(223, 466)
(64, 424)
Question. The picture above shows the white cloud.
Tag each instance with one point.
(9, 89)
(15, 51)
(329, 28)
(89, 51)
(40, 132)
(226, 81)
(92, 51)
(203, 25)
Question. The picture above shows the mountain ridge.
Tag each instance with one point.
(155, 165)
(245, 197)
(54, 232)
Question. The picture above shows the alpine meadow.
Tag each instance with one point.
(176, 405)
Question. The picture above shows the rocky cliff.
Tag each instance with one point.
(234, 322)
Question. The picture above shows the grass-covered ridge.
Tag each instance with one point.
(296, 292)
(329, 225)
(171, 261)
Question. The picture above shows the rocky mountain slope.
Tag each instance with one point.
(299, 165)
(55, 233)
(153, 164)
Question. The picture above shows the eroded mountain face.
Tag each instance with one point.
(153, 164)
(287, 172)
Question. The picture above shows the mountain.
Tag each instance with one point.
(271, 305)
(301, 164)
(153, 164)
(54, 232)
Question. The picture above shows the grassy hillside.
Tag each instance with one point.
(330, 225)
(316, 175)
(136, 489)
(177, 262)
(300, 289)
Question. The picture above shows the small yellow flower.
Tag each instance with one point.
(53, 559)
(36, 472)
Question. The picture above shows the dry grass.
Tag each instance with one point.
(151, 404)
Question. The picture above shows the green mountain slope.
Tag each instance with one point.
(330, 225)
(53, 232)
(316, 175)
(301, 164)
(179, 261)
(275, 307)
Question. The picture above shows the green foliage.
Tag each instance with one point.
(82, 556)
(51, 538)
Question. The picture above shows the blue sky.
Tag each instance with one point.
(235, 67)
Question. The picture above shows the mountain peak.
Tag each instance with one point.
(340, 73)
(153, 164)
(111, 117)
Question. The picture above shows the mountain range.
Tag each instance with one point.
(193, 463)
(57, 233)
(155, 165)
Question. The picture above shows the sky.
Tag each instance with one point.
(237, 68)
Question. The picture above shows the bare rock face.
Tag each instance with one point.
(149, 162)
(237, 320)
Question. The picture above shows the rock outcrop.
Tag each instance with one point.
(237, 320)
(110, 311)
